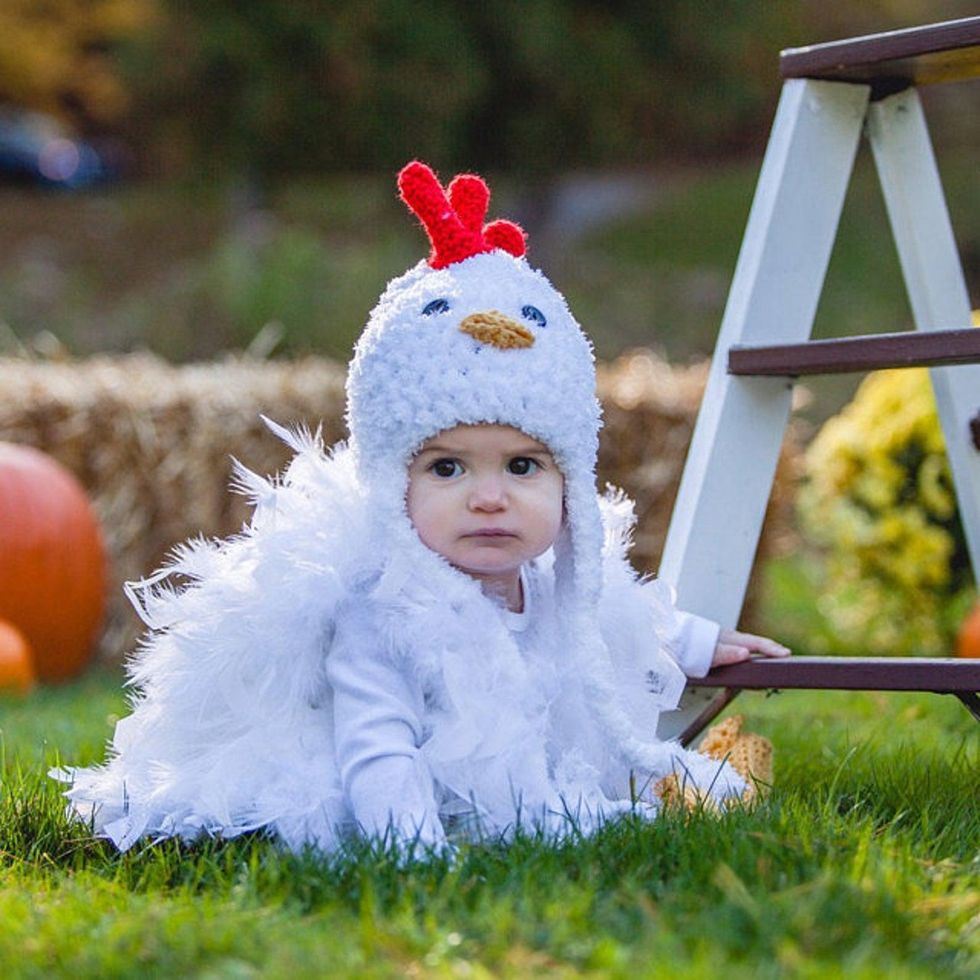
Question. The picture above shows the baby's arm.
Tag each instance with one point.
(377, 729)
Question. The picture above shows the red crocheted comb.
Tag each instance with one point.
(455, 223)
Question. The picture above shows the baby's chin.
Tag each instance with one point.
(484, 569)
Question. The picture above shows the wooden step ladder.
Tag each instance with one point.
(831, 93)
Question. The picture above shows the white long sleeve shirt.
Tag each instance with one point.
(378, 733)
(378, 711)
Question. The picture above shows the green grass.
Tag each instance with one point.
(865, 862)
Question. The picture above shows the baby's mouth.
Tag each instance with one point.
(490, 532)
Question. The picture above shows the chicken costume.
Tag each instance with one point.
(325, 673)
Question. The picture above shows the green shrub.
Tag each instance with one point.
(878, 498)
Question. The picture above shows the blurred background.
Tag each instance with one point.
(193, 177)
(204, 178)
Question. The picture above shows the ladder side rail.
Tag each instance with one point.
(934, 279)
(721, 502)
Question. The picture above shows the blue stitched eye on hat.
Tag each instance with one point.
(533, 314)
(435, 306)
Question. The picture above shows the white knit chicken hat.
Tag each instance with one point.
(474, 335)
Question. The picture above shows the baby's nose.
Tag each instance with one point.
(488, 494)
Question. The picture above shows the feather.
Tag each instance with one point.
(230, 729)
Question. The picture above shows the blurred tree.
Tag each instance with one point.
(527, 84)
(56, 55)
(271, 88)
(625, 81)
(830, 21)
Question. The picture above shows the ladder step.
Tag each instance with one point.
(939, 675)
(932, 348)
(890, 62)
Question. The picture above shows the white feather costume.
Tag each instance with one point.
(243, 718)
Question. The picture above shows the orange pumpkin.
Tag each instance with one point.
(16, 662)
(52, 561)
(968, 637)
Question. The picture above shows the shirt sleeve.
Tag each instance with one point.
(377, 733)
(692, 642)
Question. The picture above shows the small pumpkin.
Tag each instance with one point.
(968, 636)
(52, 561)
(16, 662)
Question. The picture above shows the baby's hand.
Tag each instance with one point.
(734, 647)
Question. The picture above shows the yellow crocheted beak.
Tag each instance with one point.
(496, 329)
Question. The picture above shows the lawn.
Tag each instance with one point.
(865, 862)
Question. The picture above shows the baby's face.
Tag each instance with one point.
(487, 498)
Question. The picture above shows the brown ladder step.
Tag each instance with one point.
(896, 60)
(958, 677)
(938, 675)
(931, 348)
(961, 678)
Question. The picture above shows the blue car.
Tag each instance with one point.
(36, 149)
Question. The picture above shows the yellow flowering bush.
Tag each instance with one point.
(878, 499)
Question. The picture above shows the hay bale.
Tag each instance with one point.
(152, 444)
(649, 410)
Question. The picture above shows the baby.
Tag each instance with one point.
(432, 631)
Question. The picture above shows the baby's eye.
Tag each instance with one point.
(533, 314)
(522, 466)
(446, 468)
(435, 306)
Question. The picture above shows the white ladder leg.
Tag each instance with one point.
(728, 475)
(721, 502)
(934, 280)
